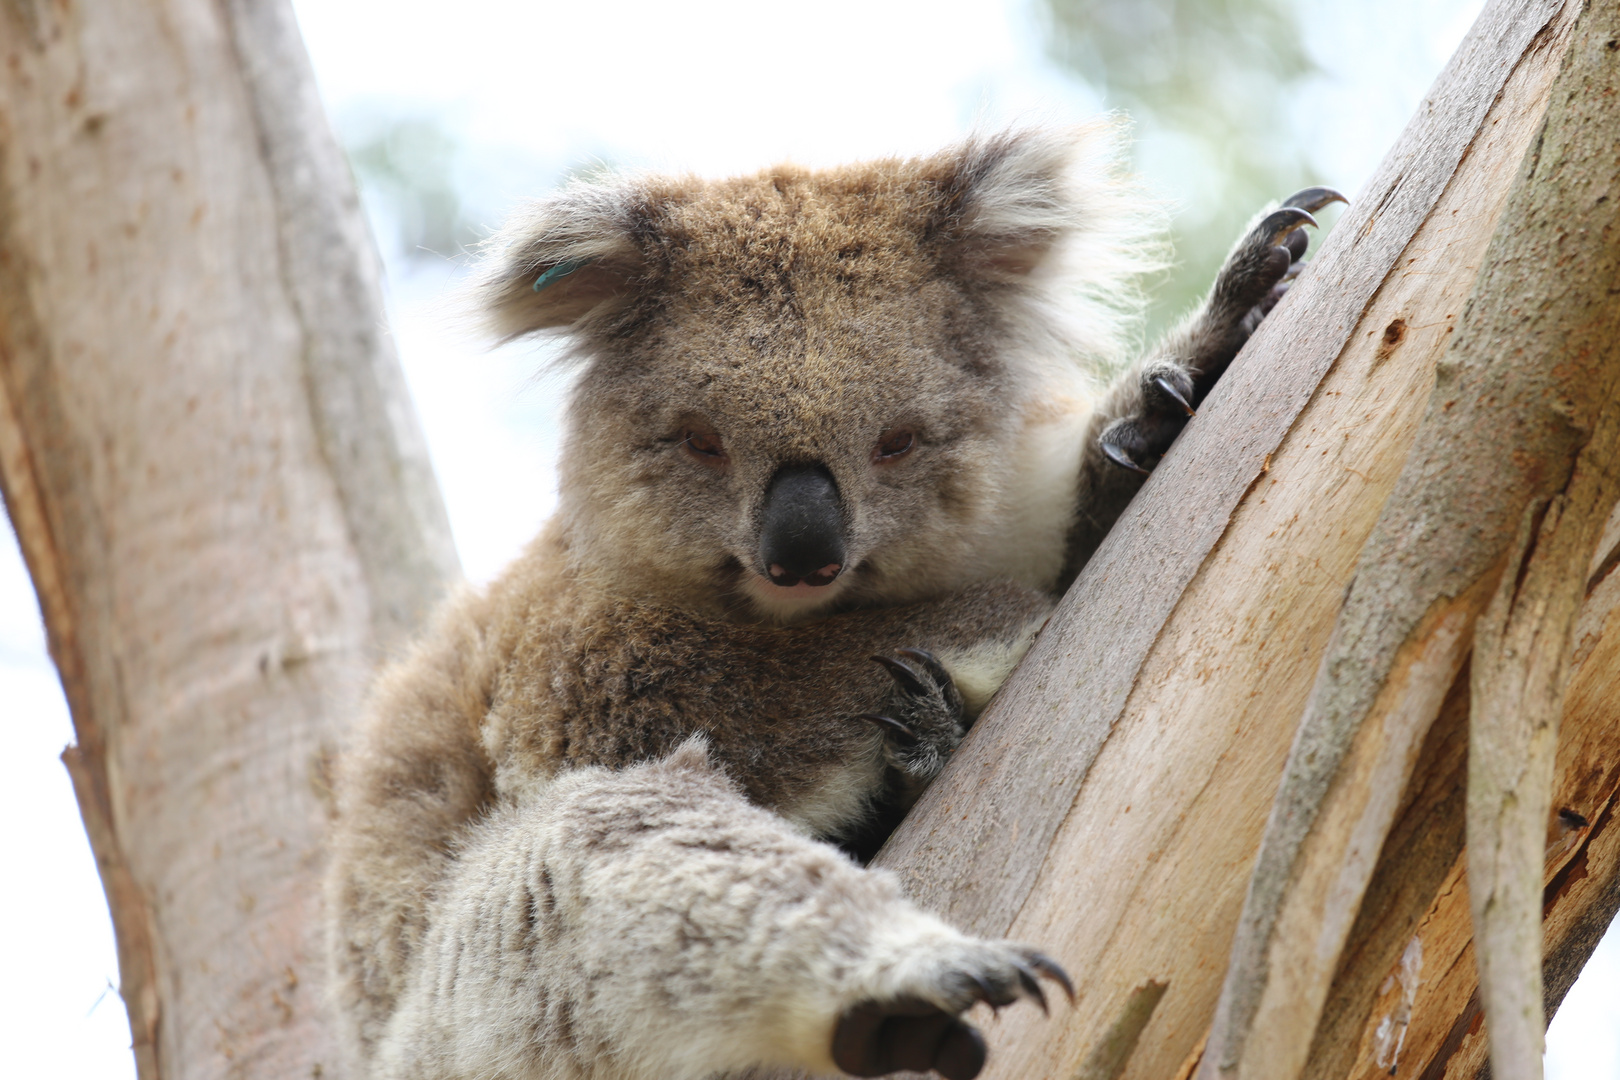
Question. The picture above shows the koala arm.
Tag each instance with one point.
(501, 686)
(1147, 406)
(610, 682)
(651, 923)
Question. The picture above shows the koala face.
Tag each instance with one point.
(802, 391)
(787, 459)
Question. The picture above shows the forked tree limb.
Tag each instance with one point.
(1548, 307)
(1415, 895)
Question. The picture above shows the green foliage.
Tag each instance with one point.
(1207, 83)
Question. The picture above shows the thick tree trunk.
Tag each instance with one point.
(1290, 559)
(209, 458)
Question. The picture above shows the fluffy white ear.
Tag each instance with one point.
(1050, 217)
(561, 260)
(1007, 200)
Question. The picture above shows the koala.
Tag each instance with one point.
(831, 454)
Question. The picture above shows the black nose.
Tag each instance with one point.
(801, 535)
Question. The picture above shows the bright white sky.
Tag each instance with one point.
(532, 90)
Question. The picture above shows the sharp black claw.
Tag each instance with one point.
(909, 678)
(930, 663)
(986, 995)
(1120, 458)
(891, 723)
(1032, 989)
(1175, 395)
(1314, 198)
(1052, 970)
(1282, 221)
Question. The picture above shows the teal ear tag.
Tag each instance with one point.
(561, 270)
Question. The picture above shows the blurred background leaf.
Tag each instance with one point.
(1206, 83)
(404, 162)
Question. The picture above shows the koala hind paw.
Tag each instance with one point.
(921, 1030)
(923, 722)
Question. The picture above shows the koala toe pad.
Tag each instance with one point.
(875, 1038)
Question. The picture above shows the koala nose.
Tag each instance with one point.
(801, 536)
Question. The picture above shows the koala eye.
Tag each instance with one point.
(703, 446)
(893, 445)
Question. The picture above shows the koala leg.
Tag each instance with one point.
(1147, 407)
(652, 924)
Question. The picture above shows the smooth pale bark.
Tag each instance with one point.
(217, 481)
(1111, 803)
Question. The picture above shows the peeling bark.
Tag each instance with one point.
(1499, 441)
(1447, 1036)
(1547, 299)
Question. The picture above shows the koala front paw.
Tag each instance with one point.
(1255, 277)
(1266, 261)
(1136, 442)
(920, 1028)
(923, 722)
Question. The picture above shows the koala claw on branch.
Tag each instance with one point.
(1313, 199)
(924, 720)
(1177, 395)
(1256, 275)
(916, 1033)
(897, 730)
(1119, 457)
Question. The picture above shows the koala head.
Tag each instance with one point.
(803, 390)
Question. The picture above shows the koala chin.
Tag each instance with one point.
(831, 455)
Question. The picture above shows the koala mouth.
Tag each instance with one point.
(787, 594)
(813, 580)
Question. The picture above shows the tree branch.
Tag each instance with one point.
(1110, 804)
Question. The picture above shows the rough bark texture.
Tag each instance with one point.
(217, 482)
(1547, 300)
(1517, 398)
(1111, 803)
(1441, 1030)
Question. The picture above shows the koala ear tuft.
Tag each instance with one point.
(1007, 201)
(563, 260)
